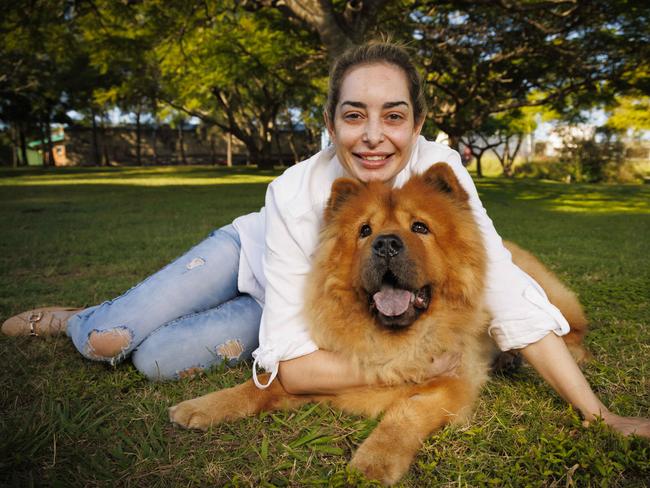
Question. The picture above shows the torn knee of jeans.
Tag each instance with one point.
(108, 344)
(195, 263)
(231, 349)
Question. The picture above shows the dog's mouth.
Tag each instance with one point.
(396, 307)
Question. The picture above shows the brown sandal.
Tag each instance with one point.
(48, 321)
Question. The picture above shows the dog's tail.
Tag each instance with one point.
(560, 296)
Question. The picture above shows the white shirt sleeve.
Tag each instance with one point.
(283, 331)
(521, 312)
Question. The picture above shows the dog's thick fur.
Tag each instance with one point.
(397, 286)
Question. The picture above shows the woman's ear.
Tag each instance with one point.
(418, 127)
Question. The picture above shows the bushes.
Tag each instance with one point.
(569, 172)
(599, 158)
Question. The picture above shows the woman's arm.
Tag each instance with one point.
(325, 372)
(553, 361)
(320, 372)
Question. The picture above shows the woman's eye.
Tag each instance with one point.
(365, 231)
(352, 116)
(395, 117)
(419, 228)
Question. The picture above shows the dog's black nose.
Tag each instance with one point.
(387, 245)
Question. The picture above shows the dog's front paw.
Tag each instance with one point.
(191, 414)
(381, 463)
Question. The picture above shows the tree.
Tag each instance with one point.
(338, 24)
(630, 112)
(479, 143)
(121, 40)
(38, 57)
(239, 70)
(509, 131)
(485, 58)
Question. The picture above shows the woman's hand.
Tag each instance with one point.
(553, 361)
(446, 364)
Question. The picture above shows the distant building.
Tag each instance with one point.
(36, 148)
(76, 146)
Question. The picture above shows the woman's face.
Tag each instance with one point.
(374, 129)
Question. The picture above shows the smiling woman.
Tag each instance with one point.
(250, 279)
(374, 126)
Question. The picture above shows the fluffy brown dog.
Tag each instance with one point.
(397, 286)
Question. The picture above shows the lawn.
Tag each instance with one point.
(80, 236)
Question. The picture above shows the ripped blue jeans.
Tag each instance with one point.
(187, 316)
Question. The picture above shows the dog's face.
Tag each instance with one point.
(405, 251)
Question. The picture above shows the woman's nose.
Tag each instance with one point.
(374, 133)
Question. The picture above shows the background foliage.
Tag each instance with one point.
(253, 68)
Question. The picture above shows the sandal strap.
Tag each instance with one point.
(33, 319)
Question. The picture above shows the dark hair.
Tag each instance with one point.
(374, 52)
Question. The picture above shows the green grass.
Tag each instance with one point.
(80, 236)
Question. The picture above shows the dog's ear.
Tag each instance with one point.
(441, 177)
(342, 190)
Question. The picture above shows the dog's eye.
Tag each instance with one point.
(419, 228)
(365, 231)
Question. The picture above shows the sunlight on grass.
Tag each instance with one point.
(595, 202)
(578, 198)
(129, 180)
(597, 207)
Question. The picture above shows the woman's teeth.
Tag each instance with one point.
(374, 158)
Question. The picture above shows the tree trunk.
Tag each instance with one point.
(292, 146)
(181, 142)
(14, 146)
(260, 156)
(96, 154)
(479, 169)
(454, 141)
(154, 134)
(264, 162)
(23, 144)
(229, 149)
(41, 129)
(337, 31)
(138, 138)
(213, 150)
(508, 158)
(105, 134)
(50, 147)
(292, 142)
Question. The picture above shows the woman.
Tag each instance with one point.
(208, 305)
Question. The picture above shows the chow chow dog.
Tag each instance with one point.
(397, 286)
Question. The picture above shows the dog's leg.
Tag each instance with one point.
(233, 403)
(389, 450)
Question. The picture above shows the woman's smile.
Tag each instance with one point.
(373, 160)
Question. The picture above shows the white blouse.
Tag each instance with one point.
(279, 241)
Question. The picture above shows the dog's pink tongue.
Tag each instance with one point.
(392, 301)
